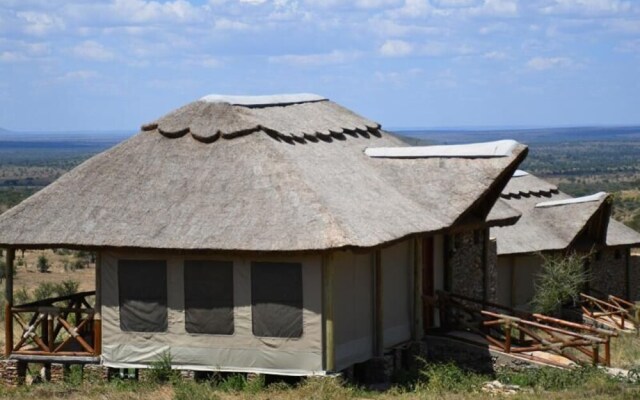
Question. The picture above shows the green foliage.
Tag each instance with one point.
(556, 379)
(449, 377)
(21, 296)
(559, 282)
(66, 288)
(45, 290)
(43, 264)
(161, 370)
(194, 391)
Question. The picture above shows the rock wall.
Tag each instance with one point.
(609, 272)
(467, 264)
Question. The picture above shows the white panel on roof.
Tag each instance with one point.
(499, 148)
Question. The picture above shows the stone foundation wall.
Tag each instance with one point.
(609, 272)
(466, 264)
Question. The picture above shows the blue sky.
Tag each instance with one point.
(79, 64)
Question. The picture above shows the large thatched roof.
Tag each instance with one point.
(287, 174)
(552, 220)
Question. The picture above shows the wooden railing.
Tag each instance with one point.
(514, 331)
(61, 326)
(612, 312)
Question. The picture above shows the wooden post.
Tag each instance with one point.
(8, 301)
(595, 354)
(379, 304)
(97, 316)
(327, 294)
(607, 352)
(507, 338)
(417, 289)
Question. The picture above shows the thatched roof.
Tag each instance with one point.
(552, 220)
(285, 177)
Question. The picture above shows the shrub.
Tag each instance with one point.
(43, 264)
(66, 288)
(559, 282)
(44, 290)
(449, 377)
(21, 296)
(161, 370)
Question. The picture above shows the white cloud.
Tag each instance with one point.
(334, 57)
(545, 63)
(226, 24)
(11, 57)
(630, 46)
(395, 48)
(204, 61)
(495, 55)
(589, 7)
(39, 23)
(79, 75)
(91, 50)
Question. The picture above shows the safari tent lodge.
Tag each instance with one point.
(270, 234)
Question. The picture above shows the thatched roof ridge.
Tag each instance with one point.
(208, 121)
(525, 184)
(558, 226)
(257, 192)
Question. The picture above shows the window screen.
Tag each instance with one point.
(276, 299)
(208, 297)
(142, 287)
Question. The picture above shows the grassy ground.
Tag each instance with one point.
(436, 382)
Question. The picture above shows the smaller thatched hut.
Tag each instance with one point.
(554, 222)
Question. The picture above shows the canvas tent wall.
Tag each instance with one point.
(239, 350)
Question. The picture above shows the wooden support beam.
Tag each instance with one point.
(8, 301)
(418, 304)
(97, 316)
(327, 301)
(379, 304)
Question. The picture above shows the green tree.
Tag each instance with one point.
(560, 281)
(43, 263)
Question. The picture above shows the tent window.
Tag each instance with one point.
(276, 299)
(142, 292)
(208, 297)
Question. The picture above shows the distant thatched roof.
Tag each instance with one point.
(284, 177)
(552, 220)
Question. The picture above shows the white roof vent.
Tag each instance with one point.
(584, 199)
(520, 173)
(500, 148)
(268, 100)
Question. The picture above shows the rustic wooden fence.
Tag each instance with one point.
(612, 312)
(61, 326)
(513, 331)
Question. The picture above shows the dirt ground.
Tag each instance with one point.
(28, 277)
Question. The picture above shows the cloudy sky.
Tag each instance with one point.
(81, 64)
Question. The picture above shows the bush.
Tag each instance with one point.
(449, 377)
(66, 288)
(561, 280)
(44, 290)
(161, 370)
(43, 264)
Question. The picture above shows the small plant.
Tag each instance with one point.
(21, 296)
(66, 288)
(43, 264)
(161, 370)
(449, 377)
(561, 280)
(44, 290)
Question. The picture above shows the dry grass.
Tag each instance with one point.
(625, 351)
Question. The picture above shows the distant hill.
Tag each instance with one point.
(529, 136)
